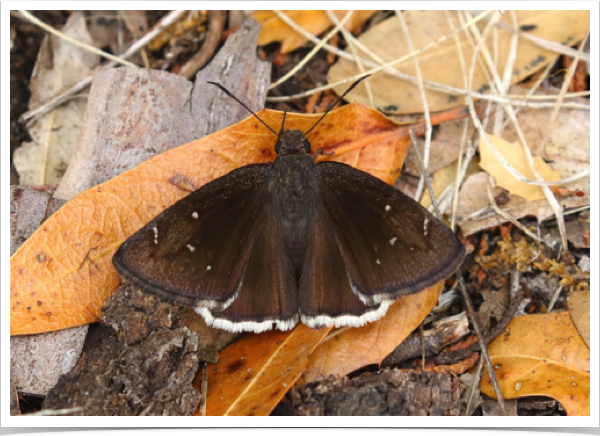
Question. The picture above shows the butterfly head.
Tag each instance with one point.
(292, 142)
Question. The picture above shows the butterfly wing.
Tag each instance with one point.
(325, 295)
(390, 244)
(201, 252)
(268, 290)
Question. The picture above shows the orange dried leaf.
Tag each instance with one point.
(579, 308)
(255, 372)
(60, 276)
(542, 355)
(314, 22)
(355, 348)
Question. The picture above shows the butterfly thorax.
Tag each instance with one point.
(293, 182)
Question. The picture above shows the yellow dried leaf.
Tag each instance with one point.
(542, 355)
(514, 153)
(314, 22)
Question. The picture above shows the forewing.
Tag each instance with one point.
(195, 252)
(390, 244)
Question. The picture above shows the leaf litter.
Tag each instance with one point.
(54, 136)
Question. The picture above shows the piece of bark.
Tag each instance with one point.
(389, 392)
(491, 407)
(36, 361)
(142, 362)
(132, 115)
(14, 400)
(445, 331)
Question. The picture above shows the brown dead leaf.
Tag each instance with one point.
(62, 274)
(579, 308)
(542, 355)
(54, 135)
(473, 198)
(315, 22)
(441, 64)
(443, 178)
(354, 348)
(444, 148)
(255, 372)
(514, 153)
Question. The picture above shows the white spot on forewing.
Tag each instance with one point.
(191, 247)
(377, 262)
(393, 240)
(155, 230)
(195, 215)
(208, 268)
(425, 223)
(388, 207)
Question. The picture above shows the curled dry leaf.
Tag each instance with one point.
(62, 274)
(354, 348)
(514, 153)
(255, 372)
(542, 355)
(579, 308)
(314, 22)
(441, 63)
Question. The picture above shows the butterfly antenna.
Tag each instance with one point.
(282, 125)
(222, 88)
(337, 101)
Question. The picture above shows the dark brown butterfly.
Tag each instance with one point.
(267, 245)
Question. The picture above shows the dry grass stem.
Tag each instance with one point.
(426, 115)
(508, 217)
(351, 42)
(34, 20)
(484, 352)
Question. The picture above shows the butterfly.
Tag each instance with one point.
(268, 245)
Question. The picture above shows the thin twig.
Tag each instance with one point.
(387, 65)
(545, 43)
(463, 138)
(313, 52)
(508, 217)
(426, 115)
(422, 334)
(351, 43)
(515, 99)
(135, 32)
(216, 23)
(515, 123)
(483, 348)
(34, 20)
(567, 81)
(554, 298)
(59, 99)
(469, 409)
(424, 175)
(507, 74)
